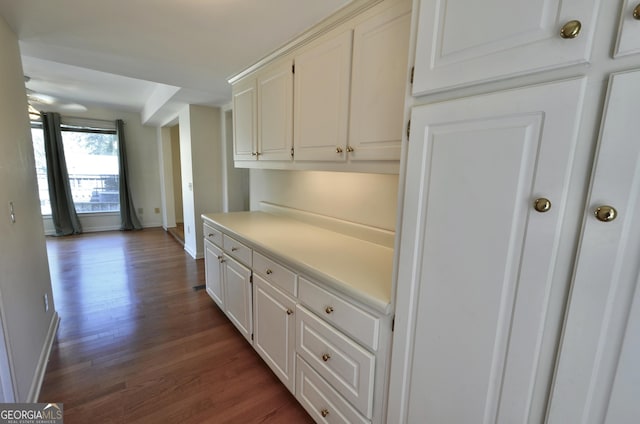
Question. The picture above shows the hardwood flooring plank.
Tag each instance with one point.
(137, 344)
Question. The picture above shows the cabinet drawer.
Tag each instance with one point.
(359, 324)
(213, 235)
(343, 363)
(274, 273)
(320, 400)
(236, 249)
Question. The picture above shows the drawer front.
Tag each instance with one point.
(213, 235)
(343, 363)
(275, 273)
(357, 323)
(236, 249)
(320, 400)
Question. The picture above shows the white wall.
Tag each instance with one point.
(369, 199)
(24, 269)
(166, 177)
(236, 183)
(201, 159)
(144, 173)
(177, 173)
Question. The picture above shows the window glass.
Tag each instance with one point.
(92, 164)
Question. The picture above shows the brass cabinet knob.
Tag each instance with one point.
(254, 154)
(350, 149)
(324, 412)
(571, 29)
(338, 149)
(269, 272)
(542, 205)
(289, 311)
(326, 357)
(606, 213)
(328, 309)
(636, 12)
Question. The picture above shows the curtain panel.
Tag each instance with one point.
(63, 211)
(129, 219)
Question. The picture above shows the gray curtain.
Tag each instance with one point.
(63, 211)
(127, 210)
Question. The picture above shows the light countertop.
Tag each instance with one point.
(358, 268)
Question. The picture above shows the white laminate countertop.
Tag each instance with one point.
(358, 268)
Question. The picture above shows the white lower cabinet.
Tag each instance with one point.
(348, 367)
(329, 350)
(237, 290)
(274, 329)
(321, 400)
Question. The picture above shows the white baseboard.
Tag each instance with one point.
(41, 369)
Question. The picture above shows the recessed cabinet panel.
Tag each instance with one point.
(275, 112)
(629, 34)
(237, 291)
(598, 377)
(321, 99)
(275, 331)
(244, 119)
(213, 272)
(462, 43)
(378, 83)
(480, 260)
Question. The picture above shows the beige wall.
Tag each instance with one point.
(369, 199)
(24, 268)
(201, 168)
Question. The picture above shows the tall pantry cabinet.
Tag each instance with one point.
(517, 293)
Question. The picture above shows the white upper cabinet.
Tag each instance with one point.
(461, 43)
(629, 35)
(378, 83)
(321, 99)
(245, 139)
(275, 112)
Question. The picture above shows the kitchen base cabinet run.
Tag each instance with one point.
(330, 349)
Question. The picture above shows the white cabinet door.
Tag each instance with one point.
(321, 99)
(468, 42)
(213, 272)
(237, 296)
(629, 33)
(275, 329)
(598, 374)
(244, 119)
(275, 112)
(378, 84)
(476, 261)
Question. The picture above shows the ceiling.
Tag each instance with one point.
(135, 54)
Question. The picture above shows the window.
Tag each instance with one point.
(91, 155)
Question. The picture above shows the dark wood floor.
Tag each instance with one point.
(137, 344)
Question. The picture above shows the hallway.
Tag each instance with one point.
(137, 344)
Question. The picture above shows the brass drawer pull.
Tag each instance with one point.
(326, 357)
(636, 13)
(329, 309)
(269, 272)
(233, 249)
(338, 149)
(211, 234)
(324, 412)
(571, 29)
(289, 311)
